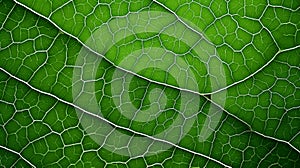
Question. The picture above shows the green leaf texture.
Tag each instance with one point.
(62, 92)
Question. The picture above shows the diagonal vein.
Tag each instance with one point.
(249, 76)
(161, 83)
(17, 153)
(109, 122)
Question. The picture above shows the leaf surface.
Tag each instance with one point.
(61, 95)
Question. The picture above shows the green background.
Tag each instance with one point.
(258, 43)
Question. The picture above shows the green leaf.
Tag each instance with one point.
(149, 83)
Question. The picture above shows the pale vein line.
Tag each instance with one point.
(251, 75)
(98, 54)
(12, 151)
(7, 16)
(295, 136)
(160, 83)
(242, 80)
(171, 86)
(268, 154)
(109, 122)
